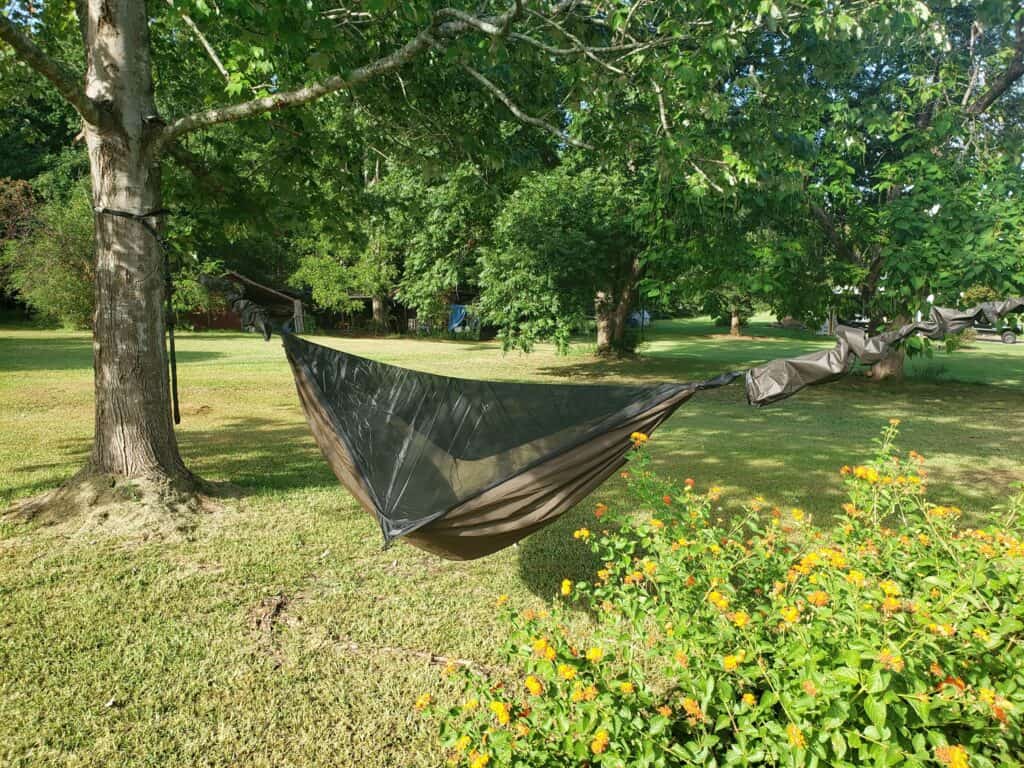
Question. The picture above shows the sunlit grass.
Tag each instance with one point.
(120, 653)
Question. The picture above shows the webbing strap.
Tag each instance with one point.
(143, 219)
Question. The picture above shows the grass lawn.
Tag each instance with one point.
(280, 633)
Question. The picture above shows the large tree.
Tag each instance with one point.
(277, 55)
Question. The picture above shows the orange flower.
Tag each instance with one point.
(584, 694)
(689, 482)
(599, 743)
(682, 659)
(890, 661)
(809, 688)
(818, 598)
(664, 711)
(667, 499)
(692, 708)
(601, 509)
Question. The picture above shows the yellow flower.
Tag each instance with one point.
(856, 578)
(796, 738)
(595, 654)
(603, 574)
(664, 711)
(582, 533)
(522, 729)
(534, 686)
(639, 438)
(981, 634)
(481, 761)
(818, 598)
(626, 687)
(657, 524)
(894, 422)
(423, 701)
(682, 659)
(471, 705)
(717, 599)
(714, 492)
(749, 699)
(566, 587)
(954, 757)
(740, 618)
(584, 694)
(890, 605)
(790, 614)
(732, 661)
(891, 588)
(650, 568)
(500, 710)
(502, 599)
(462, 744)
(566, 672)
(798, 514)
(599, 743)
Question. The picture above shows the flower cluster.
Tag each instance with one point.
(891, 637)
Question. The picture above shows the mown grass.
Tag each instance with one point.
(120, 652)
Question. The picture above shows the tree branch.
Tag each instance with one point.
(1013, 72)
(424, 40)
(66, 82)
(520, 115)
(203, 42)
(828, 225)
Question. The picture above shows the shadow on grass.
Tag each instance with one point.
(64, 354)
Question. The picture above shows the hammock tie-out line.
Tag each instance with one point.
(464, 468)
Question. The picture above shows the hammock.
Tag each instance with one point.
(464, 468)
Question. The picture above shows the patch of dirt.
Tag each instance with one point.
(265, 617)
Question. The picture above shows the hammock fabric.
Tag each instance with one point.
(464, 468)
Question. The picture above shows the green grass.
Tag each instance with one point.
(117, 652)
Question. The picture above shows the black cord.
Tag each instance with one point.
(172, 359)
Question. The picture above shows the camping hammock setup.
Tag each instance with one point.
(464, 468)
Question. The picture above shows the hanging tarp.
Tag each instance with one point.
(457, 316)
(781, 378)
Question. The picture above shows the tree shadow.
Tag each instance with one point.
(66, 354)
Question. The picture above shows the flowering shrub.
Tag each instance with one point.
(892, 637)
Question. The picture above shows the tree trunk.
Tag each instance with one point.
(134, 436)
(734, 323)
(605, 322)
(890, 366)
(378, 311)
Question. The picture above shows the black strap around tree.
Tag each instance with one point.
(142, 218)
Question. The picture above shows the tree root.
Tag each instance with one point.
(93, 502)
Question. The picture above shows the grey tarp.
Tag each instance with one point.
(463, 468)
(781, 378)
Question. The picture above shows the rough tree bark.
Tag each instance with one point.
(378, 311)
(611, 308)
(134, 435)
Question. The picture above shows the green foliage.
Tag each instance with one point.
(892, 639)
(561, 237)
(51, 267)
